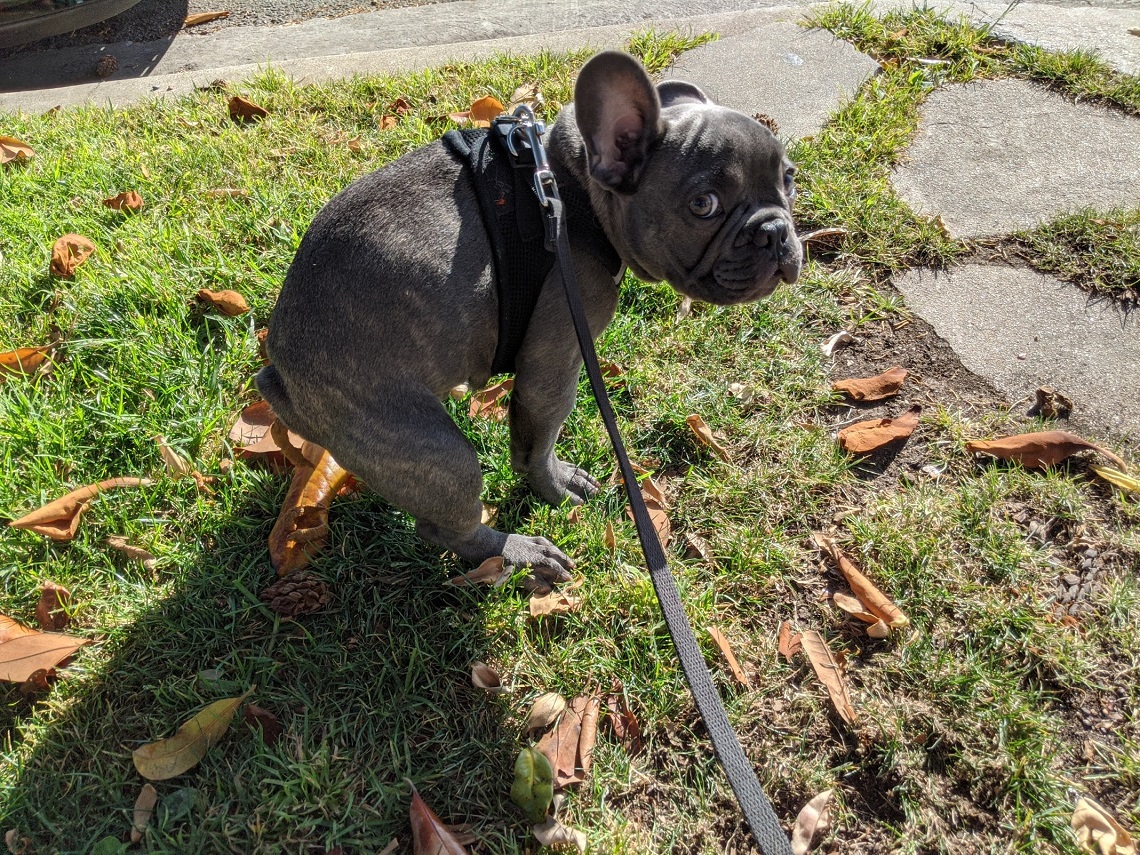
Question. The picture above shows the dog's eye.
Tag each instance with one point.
(790, 183)
(706, 205)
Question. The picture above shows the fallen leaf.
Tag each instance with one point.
(59, 520)
(129, 201)
(493, 572)
(16, 844)
(13, 150)
(23, 655)
(253, 432)
(429, 834)
(832, 344)
(554, 603)
(813, 819)
(527, 93)
(658, 510)
(386, 123)
(705, 435)
(852, 605)
(789, 643)
(10, 629)
(51, 610)
(545, 711)
(261, 719)
(302, 526)
(697, 547)
(575, 515)
(483, 676)
(626, 727)
(170, 757)
(203, 18)
(829, 672)
(490, 402)
(823, 236)
(533, 786)
(25, 360)
(1098, 830)
(144, 809)
(1123, 480)
(1050, 404)
(177, 466)
(589, 734)
(401, 106)
(226, 193)
(876, 602)
(485, 110)
(729, 656)
(560, 745)
(880, 630)
(242, 110)
(873, 434)
(873, 388)
(229, 303)
(609, 538)
(553, 833)
(1040, 450)
(68, 252)
(135, 553)
(392, 846)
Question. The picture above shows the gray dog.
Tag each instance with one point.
(392, 300)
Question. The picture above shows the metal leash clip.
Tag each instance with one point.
(522, 131)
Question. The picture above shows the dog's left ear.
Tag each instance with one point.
(619, 115)
(679, 92)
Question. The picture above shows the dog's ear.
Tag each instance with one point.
(619, 115)
(679, 92)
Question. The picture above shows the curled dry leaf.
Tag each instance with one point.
(589, 734)
(554, 603)
(51, 610)
(626, 727)
(492, 572)
(302, 526)
(527, 93)
(253, 434)
(609, 538)
(24, 360)
(553, 833)
(705, 435)
(491, 403)
(129, 201)
(729, 657)
(262, 720)
(545, 711)
(697, 547)
(851, 604)
(533, 786)
(879, 630)
(177, 466)
(203, 18)
(226, 193)
(824, 237)
(25, 651)
(13, 150)
(485, 110)
(876, 602)
(144, 809)
(483, 676)
(386, 122)
(1098, 830)
(569, 746)
(16, 844)
(873, 388)
(1126, 482)
(135, 553)
(229, 303)
(242, 110)
(812, 821)
(59, 520)
(832, 344)
(789, 643)
(1039, 450)
(829, 672)
(873, 434)
(170, 757)
(429, 834)
(68, 252)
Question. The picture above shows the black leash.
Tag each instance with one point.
(754, 804)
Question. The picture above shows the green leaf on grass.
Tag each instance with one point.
(533, 788)
(170, 757)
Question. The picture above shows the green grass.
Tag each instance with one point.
(972, 724)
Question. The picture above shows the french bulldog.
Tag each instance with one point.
(391, 302)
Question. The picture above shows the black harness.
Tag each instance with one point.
(513, 219)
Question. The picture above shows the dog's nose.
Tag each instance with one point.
(773, 234)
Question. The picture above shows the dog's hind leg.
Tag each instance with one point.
(409, 451)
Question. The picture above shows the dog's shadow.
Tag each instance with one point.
(372, 691)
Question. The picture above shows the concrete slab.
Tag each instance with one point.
(796, 76)
(1003, 155)
(1021, 330)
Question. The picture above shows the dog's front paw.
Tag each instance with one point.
(562, 481)
(548, 564)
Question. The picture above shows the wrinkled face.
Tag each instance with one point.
(712, 213)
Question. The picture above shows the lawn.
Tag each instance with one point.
(1008, 694)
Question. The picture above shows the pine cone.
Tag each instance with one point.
(297, 594)
(106, 66)
(768, 122)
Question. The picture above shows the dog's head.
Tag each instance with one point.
(699, 195)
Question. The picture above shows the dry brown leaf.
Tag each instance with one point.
(554, 603)
(729, 656)
(789, 643)
(144, 808)
(430, 836)
(51, 610)
(303, 525)
(870, 596)
(1039, 450)
(24, 360)
(527, 93)
(242, 110)
(485, 110)
(491, 402)
(545, 711)
(483, 676)
(386, 122)
(829, 672)
(401, 106)
(609, 538)
(553, 833)
(10, 629)
(13, 150)
(873, 388)
(229, 303)
(226, 193)
(176, 465)
(880, 630)
(560, 745)
(813, 820)
(59, 520)
(68, 252)
(827, 236)
(697, 547)
(259, 435)
(264, 721)
(392, 846)
(135, 553)
(871, 435)
(203, 18)
(705, 435)
(129, 201)
(492, 572)
(23, 655)
(626, 727)
(589, 735)
(170, 757)
(1099, 831)
(854, 607)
